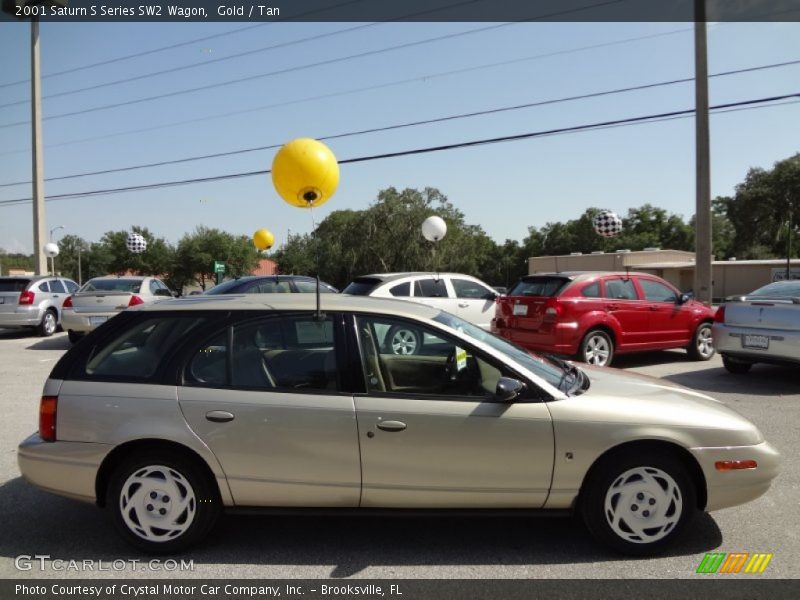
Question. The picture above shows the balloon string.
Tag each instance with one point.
(319, 316)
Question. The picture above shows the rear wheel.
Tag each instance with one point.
(403, 340)
(49, 323)
(738, 367)
(638, 504)
(74, 336)
(702, 346)
(597, 348)
(160, 504)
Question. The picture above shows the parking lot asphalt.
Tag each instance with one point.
(33, 522)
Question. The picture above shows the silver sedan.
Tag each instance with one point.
(763, 326)
(173, 412)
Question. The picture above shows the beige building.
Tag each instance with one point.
(729, 277)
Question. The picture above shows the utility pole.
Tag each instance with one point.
(702, 268)
(37, 163)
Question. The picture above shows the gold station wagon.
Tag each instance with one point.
(169, 413)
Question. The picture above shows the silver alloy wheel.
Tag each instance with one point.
(157, 503)
(404, 341)
(705, 343)
(597, 350)
(643, 505)
(49, 323)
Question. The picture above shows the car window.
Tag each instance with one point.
(592, 290)
(44, 286)
(657, 292)
(13, 285)
(401, 289)
(620, 289)
(430, 288)
(539, 285)
(275, 353)
(70, 285)
(269, 287)
(362, 286)
(310, 287)
(153, 286)
(465, 288)
(57, 287)
(136, 352)
(405, 359)
(112, 285)
(227, 287)
(779, 289)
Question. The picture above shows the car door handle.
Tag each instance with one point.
(653, 307)
(612, 306)
(391, 425)
(219, 416)
(463, 304)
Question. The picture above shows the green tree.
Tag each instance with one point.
(157, 259)
(196, 253)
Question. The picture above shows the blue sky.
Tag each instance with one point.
(505, 188)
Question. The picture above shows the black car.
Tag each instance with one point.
(272, 284)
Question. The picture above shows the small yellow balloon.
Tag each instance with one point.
(263, 239)
(305, 173)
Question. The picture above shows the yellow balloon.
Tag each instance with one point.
(263, 239)
(305, 173)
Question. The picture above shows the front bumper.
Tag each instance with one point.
(23, 316)
(63, 468)
(732, 488)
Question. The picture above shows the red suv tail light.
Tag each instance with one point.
(67, 302)
(552, 312)
(719, 316)
(47, 418)
(26, 297)
(135, 300)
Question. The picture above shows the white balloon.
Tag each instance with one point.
(51, 250)
(136, 243)
(434, 228)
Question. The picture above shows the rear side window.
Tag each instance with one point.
(43, 287)
(310, 287)
(362, 286)
(137, 351)
(13, 285)
(592, 290)
(269, 287)
(430, 288)
(401, 290)
(620, 289)
(539, 286)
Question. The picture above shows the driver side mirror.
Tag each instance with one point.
(685, 297)
(508, 389)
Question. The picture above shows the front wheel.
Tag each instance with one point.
(74, 336)
(162, 505)
(597, 348)
(702, 346)
(638, 504)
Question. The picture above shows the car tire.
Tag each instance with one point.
(48, 324)
(401, 339)
(702, 346)
(162, 504)
(597, 348)
(74, 336)
(737, 367)
(638, 503)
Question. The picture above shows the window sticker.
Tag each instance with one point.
(461, 358)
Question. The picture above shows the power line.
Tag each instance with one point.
(426, 150)
(173, 46)
(418, 123)
(306, 66)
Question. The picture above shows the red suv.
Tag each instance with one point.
(596, 315)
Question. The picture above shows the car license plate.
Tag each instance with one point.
(755, 341)
(95, 321)
(520, 310)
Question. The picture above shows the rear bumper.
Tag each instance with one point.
(558, 338)
(784, 345)
(732, 488)
(63, 468)
(23, 316)
(82, 322)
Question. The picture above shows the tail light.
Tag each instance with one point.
(67, 302)
(47, 418)
(26, 297)
(552, 312)
(135, 300)
(719, 316)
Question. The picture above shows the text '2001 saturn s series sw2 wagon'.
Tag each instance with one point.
(170, 413)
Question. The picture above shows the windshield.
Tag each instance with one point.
(361, 286)
(538, 286)
(779, 289)
(112, 285)
(550, 371)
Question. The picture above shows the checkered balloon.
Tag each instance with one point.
(607, 223)
(136, 243)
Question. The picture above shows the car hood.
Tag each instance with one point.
(656, 405)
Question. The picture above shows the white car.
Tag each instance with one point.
(462, 295)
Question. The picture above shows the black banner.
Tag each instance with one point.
(730, 588)
(401, 10)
